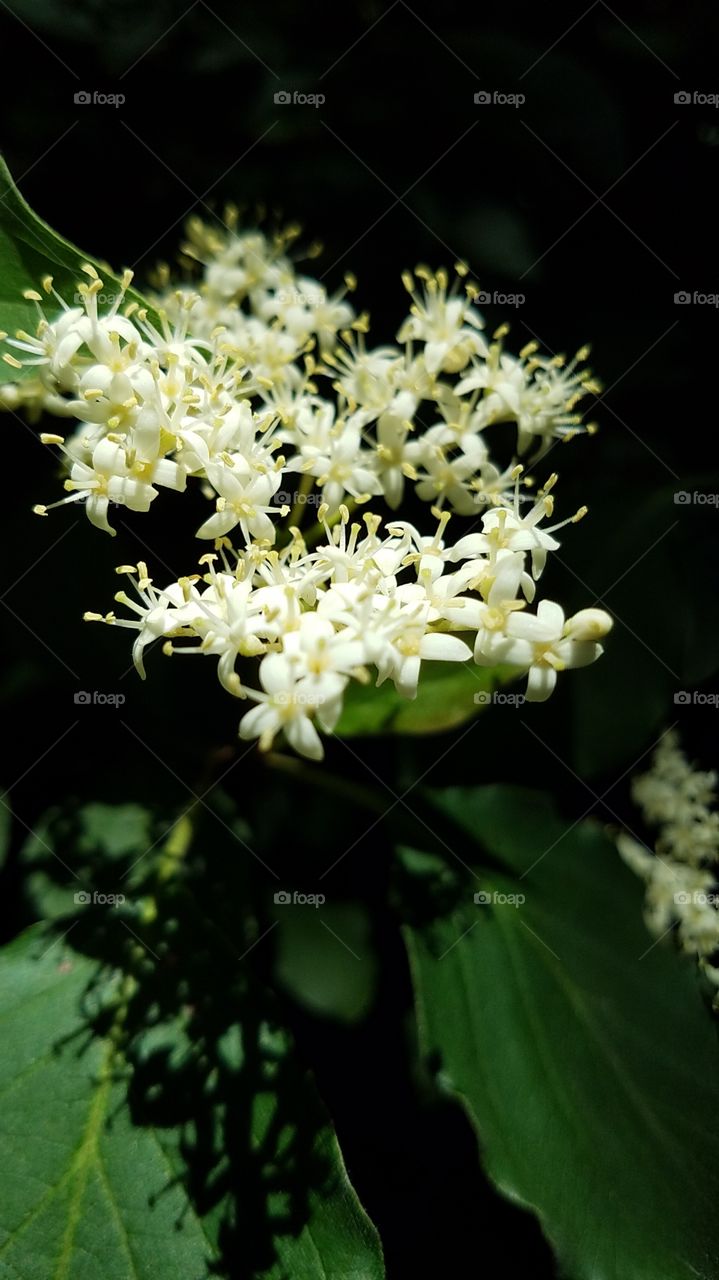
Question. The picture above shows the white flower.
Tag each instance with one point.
(393, 463)
(397, 640)
(538, 394)
(341, 466)
(346, 556)
(516, 532)
(230, 621)
(443, 476)
(245, 499)
(160, 614)
(367, 378)
(500, 583)
(304, 308)
(317, 650)
(290, 704)
(415, 646)
(256, 385)
(544, 644)
(447, 324)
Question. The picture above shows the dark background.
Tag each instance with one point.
(596, 200)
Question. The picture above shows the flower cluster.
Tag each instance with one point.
(682, 876)
(260, 387)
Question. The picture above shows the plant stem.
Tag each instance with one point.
(365, 797)
(318, 529)
(297, 513)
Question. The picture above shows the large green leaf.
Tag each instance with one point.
(326, 960)
(583, 1054)
(84, 1192)
(449, 694)
(30, 249)
(125, 1149)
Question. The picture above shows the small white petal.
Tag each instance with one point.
(540, 684)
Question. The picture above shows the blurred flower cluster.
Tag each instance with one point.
(261, 388)
(682, 875)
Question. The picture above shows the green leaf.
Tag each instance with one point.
(83, 1184)
(450, 693)
(96, 837)
(84, 1192)
(582, 1053)
(99, 1146)
(115, 830)
(326, 960)
(30, 249)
